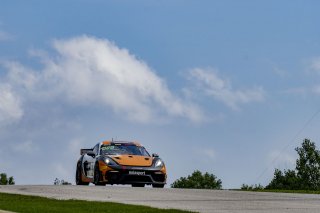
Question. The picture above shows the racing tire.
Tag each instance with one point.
(157, 185)
(79, 176)
(97, 176)
(137, 185)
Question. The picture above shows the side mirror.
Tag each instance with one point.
(155, 155)
(91, 153)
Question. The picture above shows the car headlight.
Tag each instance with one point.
(159, 163)
(110, 162)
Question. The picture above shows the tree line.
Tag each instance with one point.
(4, 180)
(305, 176)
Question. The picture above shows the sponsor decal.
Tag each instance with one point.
(137, 172)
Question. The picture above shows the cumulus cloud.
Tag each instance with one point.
(91, 71)
(20, 75)
(221, 90)
(10, 106)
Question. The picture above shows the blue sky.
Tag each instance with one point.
(220, 86)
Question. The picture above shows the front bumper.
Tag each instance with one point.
(132, 175)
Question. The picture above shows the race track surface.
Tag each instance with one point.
(188, 199)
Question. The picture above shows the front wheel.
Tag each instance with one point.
(157, 185)
(79, 176)
(97, 176)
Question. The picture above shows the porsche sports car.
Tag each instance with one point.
(118, 162)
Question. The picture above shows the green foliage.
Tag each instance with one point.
(306, 176)
(34, 204)
(254, 187)
(11, 181)
(308, 165)
(286, 180)
(197, 180)
(5, 181)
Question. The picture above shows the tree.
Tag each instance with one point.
(284, 180)
(11, 181)
(197, 180)
(308, 165)
(306, 175)
(5, 181)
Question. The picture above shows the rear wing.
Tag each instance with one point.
(84, 151)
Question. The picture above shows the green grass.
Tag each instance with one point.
(34, 204)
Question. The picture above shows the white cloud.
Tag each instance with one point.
(316, 89)
(10, 106)
(5, 36)
(205, 154)
(61, 171)
(210, 153)
(315, 64)
(280, 72)
(299, 91)
(75, 145)
(91, 71)
(20, 75)
(312, 67)
(26, 147)
(303, 91)
(221, 90)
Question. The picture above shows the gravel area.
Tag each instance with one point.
(223, 201)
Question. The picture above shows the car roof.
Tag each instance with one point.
(120, 142)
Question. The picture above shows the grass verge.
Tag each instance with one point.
(35, 204)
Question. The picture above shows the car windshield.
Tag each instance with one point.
(123, 149)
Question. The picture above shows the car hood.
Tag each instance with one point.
(132, 160)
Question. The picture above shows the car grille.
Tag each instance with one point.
(158, 177)
(137, 179)
(123, 177)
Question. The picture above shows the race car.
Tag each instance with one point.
(119, 162)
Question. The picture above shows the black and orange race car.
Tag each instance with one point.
(118, 162)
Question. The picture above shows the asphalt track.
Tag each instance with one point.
(188, 199)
